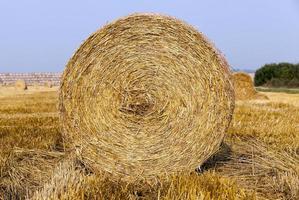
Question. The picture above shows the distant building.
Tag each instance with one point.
(30, 78)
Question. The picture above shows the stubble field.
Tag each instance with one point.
(259, 158)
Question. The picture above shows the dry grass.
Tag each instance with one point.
(273, 123)
(284, 98)
(69, 183)
(259, 159)
(7, 91)
(24, 171)
(269, 171)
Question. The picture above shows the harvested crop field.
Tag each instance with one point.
(259, 158)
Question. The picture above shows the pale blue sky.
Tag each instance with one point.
(40, 35)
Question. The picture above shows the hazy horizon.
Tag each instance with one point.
(40, 36)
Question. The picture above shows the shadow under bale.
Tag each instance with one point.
(219, 158)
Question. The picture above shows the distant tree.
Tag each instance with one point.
(277, 75)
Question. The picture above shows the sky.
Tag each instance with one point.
(41, 35)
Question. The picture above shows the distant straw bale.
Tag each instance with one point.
(145, 95)
(36, 85)
(244, 87)
(20, 85)
(48, 84)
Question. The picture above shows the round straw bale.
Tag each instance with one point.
(244, 87)
(48, 84)
(20, 85)
(36, 85)
(145, 95)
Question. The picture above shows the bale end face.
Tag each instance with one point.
(146, 95)
(48, 84)
(21, 85)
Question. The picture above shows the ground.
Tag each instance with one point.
(259, 158)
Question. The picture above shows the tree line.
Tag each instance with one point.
(277, 75)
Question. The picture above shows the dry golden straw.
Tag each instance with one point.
(25, 171)
(244, 88)
(65, 183)
(145, 95)
(20, 85)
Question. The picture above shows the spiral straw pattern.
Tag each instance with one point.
(20, 85)
(145, 95)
